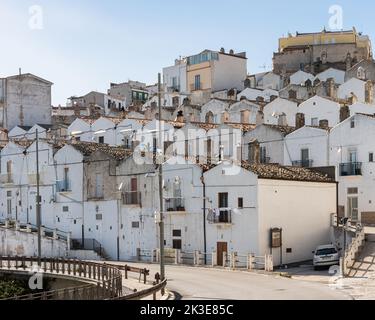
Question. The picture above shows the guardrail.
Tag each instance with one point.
(154, 290)
(106, 279)
(143, 273)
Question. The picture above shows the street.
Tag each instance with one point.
(189, 283)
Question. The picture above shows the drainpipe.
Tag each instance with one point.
(204, 219)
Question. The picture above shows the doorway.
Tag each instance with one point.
(221, 248)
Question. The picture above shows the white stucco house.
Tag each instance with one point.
(337, 75)
(213, 111)
(243, 111)
(307, 147)
(280, 112)
(317, 108)
(352, 87)
(362, 108)
(352, 152)
(254, 94)
(300, 77)
(245, 203)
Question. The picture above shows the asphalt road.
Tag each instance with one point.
(215, 284)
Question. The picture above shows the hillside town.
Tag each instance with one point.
(241, 155)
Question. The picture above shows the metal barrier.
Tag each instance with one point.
(106, 280)
(154, 290)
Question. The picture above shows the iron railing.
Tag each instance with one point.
(175, 204)
(132, 198)
(88, 245)
(219, 216)
(63, 186)
(303, 163)
(351, 169)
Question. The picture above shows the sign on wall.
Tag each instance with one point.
(276, 238)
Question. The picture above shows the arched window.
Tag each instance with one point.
(209, 117)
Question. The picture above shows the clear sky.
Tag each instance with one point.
(84, 45)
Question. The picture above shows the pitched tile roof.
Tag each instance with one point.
(278, 172)
(89, 148)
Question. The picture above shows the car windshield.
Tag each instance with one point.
(324, 252)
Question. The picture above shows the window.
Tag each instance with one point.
(352, 123)
(101, 140)
(353, 156)
(314, 122)
(135, 224)
(99, 185)
(65, 209)
(263, 155)
(352, 190)
(371, 157)
(177, 244)
(240, 203)
(197, 82)
(177, 233)
(353, 208)
(223, 200)
(99, 216)
(292, 94)
(9, 193)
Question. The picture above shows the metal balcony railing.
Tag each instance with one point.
(131, 198)
(175, 204)
(351, 169)
(221, 215)
(196, 86)
(303, 163)
(63, 186)
(265, 160)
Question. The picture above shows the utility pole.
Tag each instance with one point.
(38, 201)
(161, 206)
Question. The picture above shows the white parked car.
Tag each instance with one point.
(326, 255)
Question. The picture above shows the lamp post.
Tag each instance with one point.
(38, 201)
(161, 206)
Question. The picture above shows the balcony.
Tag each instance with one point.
(131, 198)
(63, 186)
(351, 169)
(175, 205)
(303, 163)
(196, 86)
(6, 178)
(220, 216)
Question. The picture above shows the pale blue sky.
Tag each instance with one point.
(87, 44)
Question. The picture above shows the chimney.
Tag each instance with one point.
(331, 88)
(324, 124)
(260, 99)
(369, 92)
(352, 99)
(254, 156)
(231, 52)
(243, 98)
(180, 117)
(260, 118)
(344, 113)
(300, 120)
(224, 117)
(273, 97)
(222, 50)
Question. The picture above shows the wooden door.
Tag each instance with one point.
(221, 248)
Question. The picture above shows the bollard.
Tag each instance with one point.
(18, 227)
(28, 228)
(224, 259)
(214, 259)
